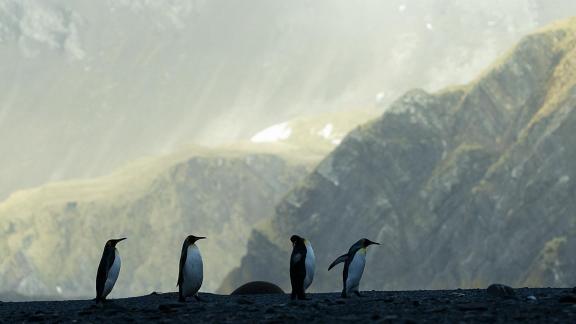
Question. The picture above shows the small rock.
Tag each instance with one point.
(258, 288)
(154, 293)
(568, 299)
(416, 303)
(502, 291)
(531, 298)
(375, 317)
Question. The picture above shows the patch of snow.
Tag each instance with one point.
(59, 290)
(402, 8)
(326, 132)
(429, 26)
(275, 133)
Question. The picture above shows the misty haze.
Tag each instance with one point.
(442, 129)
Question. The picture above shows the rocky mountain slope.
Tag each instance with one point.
(52, 236)
(92, 85)
(468, 186)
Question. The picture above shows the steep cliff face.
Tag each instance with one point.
(464, 187)
(52, 237)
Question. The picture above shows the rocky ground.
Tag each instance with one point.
(448, 306)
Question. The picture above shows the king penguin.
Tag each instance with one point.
(191, 269)
(354, 262)
(108, 270)
(302, 266)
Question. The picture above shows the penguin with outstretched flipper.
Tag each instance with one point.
(354, 262)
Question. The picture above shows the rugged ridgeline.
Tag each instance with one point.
(52, 237)
(465, 187)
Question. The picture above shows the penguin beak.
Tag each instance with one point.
(200, 238)
(372, 243)
(114, 242)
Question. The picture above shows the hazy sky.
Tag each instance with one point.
(89, 85)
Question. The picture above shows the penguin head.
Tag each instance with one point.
(113, 242)
(366, 242)
(191, 239)
(295, 239)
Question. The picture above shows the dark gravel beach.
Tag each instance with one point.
(446, 306)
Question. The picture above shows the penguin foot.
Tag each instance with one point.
(181, 299)
(358, 294)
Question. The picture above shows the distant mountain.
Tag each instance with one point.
(89, 85)
(465, 187)
(52, 237)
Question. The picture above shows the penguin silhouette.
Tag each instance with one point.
(108, 269)
(354, 262)
(302, 266)
(191, 273)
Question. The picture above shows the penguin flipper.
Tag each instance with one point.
(296, 257)
(340, 259)
(183, 256)
(103, 268)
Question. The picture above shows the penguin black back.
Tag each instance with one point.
(298, 266)
(106, 262)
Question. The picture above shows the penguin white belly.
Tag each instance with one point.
(112, 274)
(310, 264)
(355, 271)
(193, 271)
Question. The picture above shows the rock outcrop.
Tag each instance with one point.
(463, 188)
